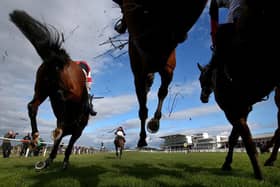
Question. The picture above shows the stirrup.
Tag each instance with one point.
(120, 27)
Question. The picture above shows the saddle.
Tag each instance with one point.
(119, 137)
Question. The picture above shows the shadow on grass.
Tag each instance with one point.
(86, 176)
(90, 175)
(111, 157)
(215, 171)
(145, 171)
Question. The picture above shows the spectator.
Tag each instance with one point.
(6, 145)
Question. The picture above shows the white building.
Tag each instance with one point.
(176, 142)
(201, 141)
(209, 142)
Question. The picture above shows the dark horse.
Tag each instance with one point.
(275, 141)
(245, 74)
(58, 78)
(155, 29)
(119, 145)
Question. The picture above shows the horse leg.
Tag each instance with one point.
(121, 148)
(40, 95)
(233, 138)
(276, 137)
(143, 110)
(273, 156)
(166, 78)
(140, 86)
(245, 133)
(68, 150)
(270, 143)
(32, 107)
(53, 153)
(117, 154)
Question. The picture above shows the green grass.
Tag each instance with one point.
(138, 169)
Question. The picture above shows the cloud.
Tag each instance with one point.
(194, 112)
(186, 88)
(111, 106)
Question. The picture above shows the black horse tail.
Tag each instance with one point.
(46, 39)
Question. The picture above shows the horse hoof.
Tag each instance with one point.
(40, 165)
(268, 163)
(153, 126)
(264, 150)
(259, 176)
(142, 144)
(65, 165)
(226, 167)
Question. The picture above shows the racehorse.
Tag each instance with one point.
(245, 75)
(119, 146)
(154, 34)
(58, 78)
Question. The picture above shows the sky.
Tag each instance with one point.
(87, 26)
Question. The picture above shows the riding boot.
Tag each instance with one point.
(90, 106)
(120, 26)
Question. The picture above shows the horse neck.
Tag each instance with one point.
(210, 75)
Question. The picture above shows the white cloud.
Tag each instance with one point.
(110, 106)
(194, 112)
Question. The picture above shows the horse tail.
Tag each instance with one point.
(46, 39)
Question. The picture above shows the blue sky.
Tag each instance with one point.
(86, 24)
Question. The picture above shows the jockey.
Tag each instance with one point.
(222, 34)
(120, 132)
(236, 10)
(120, 26)
(86, 69)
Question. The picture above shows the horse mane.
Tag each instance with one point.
(45, 38)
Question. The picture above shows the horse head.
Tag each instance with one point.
(206, 83)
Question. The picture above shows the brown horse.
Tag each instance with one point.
(58, 78)
(245, 74)
(119, 146)
(154, 33)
